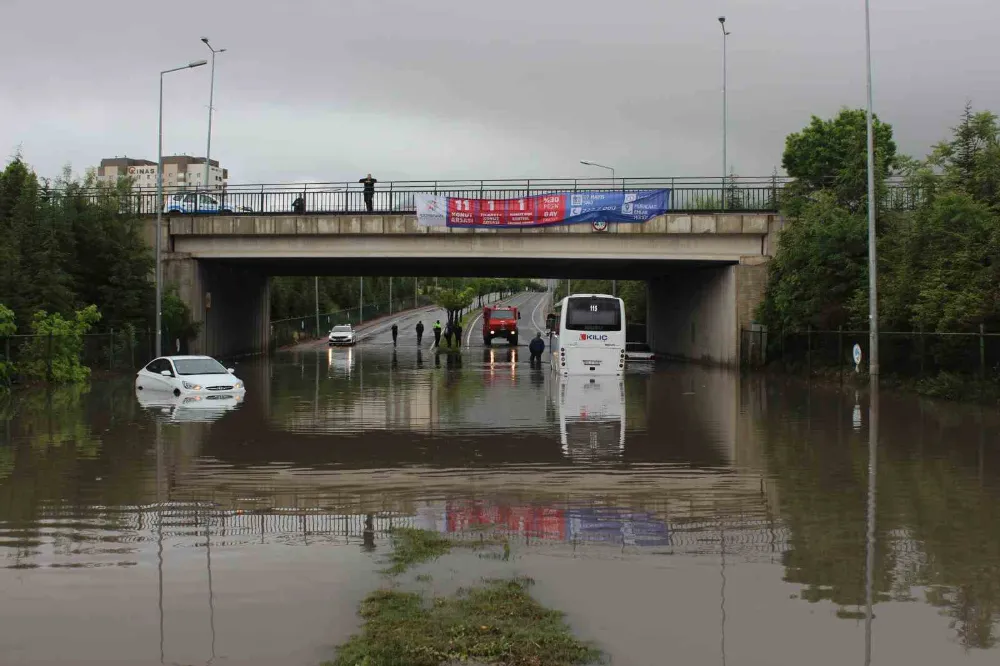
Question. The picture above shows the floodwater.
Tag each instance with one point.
(682, 515)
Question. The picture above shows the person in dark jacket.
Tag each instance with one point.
(420, 332)
(299, 205)
(369, 184)
(535, 348)
(449, 331)
(395, 334)
(458, 334)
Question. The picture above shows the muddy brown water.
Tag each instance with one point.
(682, 515)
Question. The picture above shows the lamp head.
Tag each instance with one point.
(722, 20)
(197, 63)
(205, 39)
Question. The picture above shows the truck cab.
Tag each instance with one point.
(500, 322)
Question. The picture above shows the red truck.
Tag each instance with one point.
(500, 322)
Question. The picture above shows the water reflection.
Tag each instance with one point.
(166, 406)
(591, 416)
(769, 484)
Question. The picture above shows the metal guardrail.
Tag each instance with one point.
(688, 194)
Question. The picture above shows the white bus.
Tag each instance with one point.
(590, 336)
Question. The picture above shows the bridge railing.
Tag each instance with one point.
(688, 194)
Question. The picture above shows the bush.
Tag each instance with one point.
(54, 354)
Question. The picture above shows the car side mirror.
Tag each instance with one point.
(166, 373)
(518, 315)
(231, 370)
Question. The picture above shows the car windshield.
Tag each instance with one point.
(505, 315)
(593, 314)
(341, 329)
(199, 366)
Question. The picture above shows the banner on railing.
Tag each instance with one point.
(542, 209)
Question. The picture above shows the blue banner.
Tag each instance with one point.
(543, 209)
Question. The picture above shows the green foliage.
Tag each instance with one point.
(176, 317)
(818, 277)
(412, 546)
(55, 353)
(833, 155)
(498, 622)
(7, 327)
(939, 264)
(71, 243)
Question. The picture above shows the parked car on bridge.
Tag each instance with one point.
(188, 375)
(342, 334)
(191, 203)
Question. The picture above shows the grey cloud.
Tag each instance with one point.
(331, 90)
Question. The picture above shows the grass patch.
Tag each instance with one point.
(496, 623)
(412, 546)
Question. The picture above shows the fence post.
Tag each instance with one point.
(48, 364)
(920, 334)
(982, 351)
(840, 351)
(809, 350)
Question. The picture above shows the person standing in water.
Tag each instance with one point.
(420, 332)
(395, 334)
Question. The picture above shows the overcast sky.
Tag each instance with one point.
(324, 90)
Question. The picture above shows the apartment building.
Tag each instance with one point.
(179, 172)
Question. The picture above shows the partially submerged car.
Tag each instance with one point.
(342, 334)
(188, 375)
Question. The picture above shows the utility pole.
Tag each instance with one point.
(390, 294)
(211, 100)
(316, 292)
(873, 368)
(361, 302)
(159, 208)
(725, 112)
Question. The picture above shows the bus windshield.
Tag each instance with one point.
(593, 314)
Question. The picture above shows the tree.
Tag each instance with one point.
(8, 327)
(454, 301)
(832, 154)
(176, 318)
(54, 352)
(970, 162)
(817, 278)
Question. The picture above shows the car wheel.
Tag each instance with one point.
(226, 211)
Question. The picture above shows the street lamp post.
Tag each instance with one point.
(614, 283)
(601, 166)
(873, 368)
(725, 111)
(211, 99)
(159, 208)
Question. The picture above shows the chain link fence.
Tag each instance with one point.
(903, 353)
(113, 351)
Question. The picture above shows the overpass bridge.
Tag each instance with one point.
(704, 260)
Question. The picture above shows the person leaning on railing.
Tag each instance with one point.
(369, 184)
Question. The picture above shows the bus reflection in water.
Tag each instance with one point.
(591, 417)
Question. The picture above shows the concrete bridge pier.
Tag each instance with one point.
(697, 314)
(231, 304)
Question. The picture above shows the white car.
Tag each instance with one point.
(192, 204)
(342, 334)
(188, 375)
